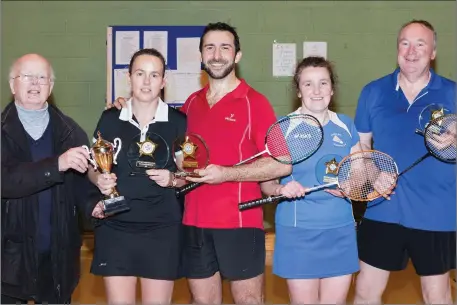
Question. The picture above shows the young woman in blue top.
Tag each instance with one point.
(315, 248)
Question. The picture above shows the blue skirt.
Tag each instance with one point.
(301, 253)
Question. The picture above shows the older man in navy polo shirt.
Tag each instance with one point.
(419, 221)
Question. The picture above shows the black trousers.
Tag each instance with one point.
(46, 292)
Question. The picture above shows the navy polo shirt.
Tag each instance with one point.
(425, 196)
(41, 149)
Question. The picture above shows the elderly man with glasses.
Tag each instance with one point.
(44, 185)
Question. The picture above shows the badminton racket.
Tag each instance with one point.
(361, 176)
(440, 140)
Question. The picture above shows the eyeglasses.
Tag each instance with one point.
(28, 78)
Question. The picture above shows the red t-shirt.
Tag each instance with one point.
(234, 130)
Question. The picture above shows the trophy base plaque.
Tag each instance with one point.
(146, 164)
(115, 205)
(190, 164)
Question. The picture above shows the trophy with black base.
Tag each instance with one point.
(148, 151)
(102, 156)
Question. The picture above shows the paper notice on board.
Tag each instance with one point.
(284, 59)
(121, 84)
(127, 43)
(157, 40)
(315, 48)
(180, 85)
(188, 55)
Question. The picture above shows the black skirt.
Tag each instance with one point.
(154, 253)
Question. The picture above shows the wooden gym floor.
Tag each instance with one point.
(403, 287)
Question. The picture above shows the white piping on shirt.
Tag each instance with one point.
(249, 131)
(417, 98)
(332, 117)
(190, 103)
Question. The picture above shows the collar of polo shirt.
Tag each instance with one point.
(161, 114)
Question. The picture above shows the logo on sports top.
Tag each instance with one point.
(337, 140)
(230, 118)
(302, 136)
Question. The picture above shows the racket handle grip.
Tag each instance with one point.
(258, 202)
(186, 188)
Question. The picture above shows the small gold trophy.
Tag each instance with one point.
(189, 149)
(331, 171)
(103, 155)
(194, 153)
(437, 113)
(435, 116)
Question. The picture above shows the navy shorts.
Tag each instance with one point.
(389, 246)
(238, 254)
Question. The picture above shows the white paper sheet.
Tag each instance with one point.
(157, 40)
(121, 84)
(315, 48)
(180, 85)
(188, 55)
(284, 59)
(127, 43)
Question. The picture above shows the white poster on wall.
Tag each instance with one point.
(157, 40)
(315, 48)
(127, 43)
(188, 55)
(284, 59)
(121, 83)
(180, 85)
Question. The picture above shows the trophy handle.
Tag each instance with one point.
(118, 148)
(92, 161)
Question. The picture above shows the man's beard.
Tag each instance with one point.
(222, 74)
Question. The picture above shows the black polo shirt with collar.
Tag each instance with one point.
(150, 204)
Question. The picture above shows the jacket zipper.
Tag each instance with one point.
(58, 292)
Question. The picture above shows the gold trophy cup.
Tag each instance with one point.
(102, 157)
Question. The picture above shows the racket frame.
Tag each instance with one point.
(430, 151)
(388, 191)
(289, 117)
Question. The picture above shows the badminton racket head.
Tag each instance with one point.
(294, 138)
(367, 175)
(440, 138)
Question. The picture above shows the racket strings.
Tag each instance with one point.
(440, 137)
(294, 138)
(367, 175)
